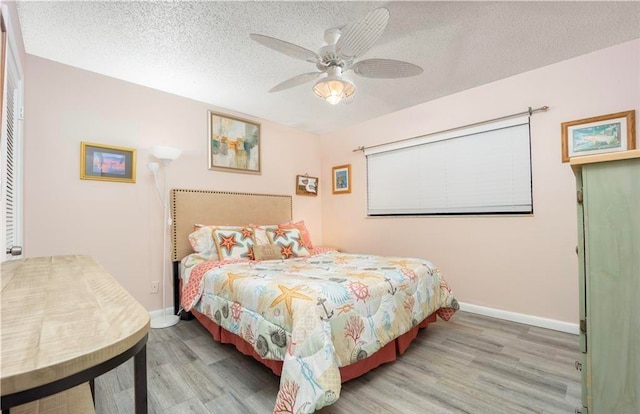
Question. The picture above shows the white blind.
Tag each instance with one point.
(485, 169)
(9, 168)
(11, 144)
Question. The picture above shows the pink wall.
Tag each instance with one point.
(519, 264)
(120, 224)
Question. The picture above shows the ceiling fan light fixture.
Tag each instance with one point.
(343, 46)
(334, 89)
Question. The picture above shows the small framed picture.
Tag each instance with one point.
(107, 163)
(306, 185)
(598, 135)
(234, 144)
(341, 178)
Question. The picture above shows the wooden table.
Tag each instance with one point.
(65, 321)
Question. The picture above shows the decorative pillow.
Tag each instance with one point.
(234, 243)
(306, 236)
(201, 241)
(267, 252)
(290, 242)
(260, 233)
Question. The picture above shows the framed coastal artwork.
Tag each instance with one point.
(598, 135)
(234, 144)
(307, 186)
(107, 163)
(341, 178)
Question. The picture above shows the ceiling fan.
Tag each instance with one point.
(343, 46)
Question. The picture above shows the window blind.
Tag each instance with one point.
(480, 170)
(11, 143)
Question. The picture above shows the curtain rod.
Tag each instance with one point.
(529, 112)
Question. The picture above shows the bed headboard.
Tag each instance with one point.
(189, 207)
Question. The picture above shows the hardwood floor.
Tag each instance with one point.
(472, 364)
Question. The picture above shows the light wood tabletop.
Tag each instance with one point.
(62, 315)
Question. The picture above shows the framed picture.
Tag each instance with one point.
(306, 185)
(234, 144)
(598, 135)
(107, 163)
(341, 178)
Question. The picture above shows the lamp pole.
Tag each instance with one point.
(165, 155)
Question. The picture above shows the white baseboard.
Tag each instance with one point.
(553, 324)
(158, 312)
(567, 327)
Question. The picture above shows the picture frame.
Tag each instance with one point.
(233, 144)
(341, 179)
(306, 185)
(598, 135)
(107, 163)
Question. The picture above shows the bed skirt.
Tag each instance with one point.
(387, 353)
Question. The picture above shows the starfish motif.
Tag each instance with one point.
(363, 276)
(249, 255)
(288, 295)
(247, 233)
(228, 242)
(401, 263)
(287, 250)
(231, 277)
(300, 241)
(341, 259)
(279, 233)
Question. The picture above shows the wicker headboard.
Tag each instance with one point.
(189, 207)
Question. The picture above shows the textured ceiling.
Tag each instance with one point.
(202, 50)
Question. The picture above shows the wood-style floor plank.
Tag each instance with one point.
(472, 364)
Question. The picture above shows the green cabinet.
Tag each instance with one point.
(608, 195)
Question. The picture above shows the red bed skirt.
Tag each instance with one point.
(387, 353)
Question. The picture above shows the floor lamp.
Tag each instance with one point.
(165, 155)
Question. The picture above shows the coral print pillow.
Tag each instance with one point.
(234, 243)
(290, 242)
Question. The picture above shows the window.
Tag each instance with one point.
(11, 143)
(485, 169)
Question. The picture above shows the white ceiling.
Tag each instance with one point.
(202, 50)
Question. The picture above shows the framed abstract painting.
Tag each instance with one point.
(234, 144)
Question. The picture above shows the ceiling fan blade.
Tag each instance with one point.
(359, 36)
(287, 48)
(295, 81)
(386, 68)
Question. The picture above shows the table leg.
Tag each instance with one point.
(140, 380)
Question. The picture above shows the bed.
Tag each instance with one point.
(318, 317)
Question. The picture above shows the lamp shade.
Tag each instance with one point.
(165, 153)
(334, 88)
(153, 167)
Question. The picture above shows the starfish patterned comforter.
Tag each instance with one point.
(316, 313)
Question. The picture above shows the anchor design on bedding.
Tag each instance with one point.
(321, 301)
(393, 289)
